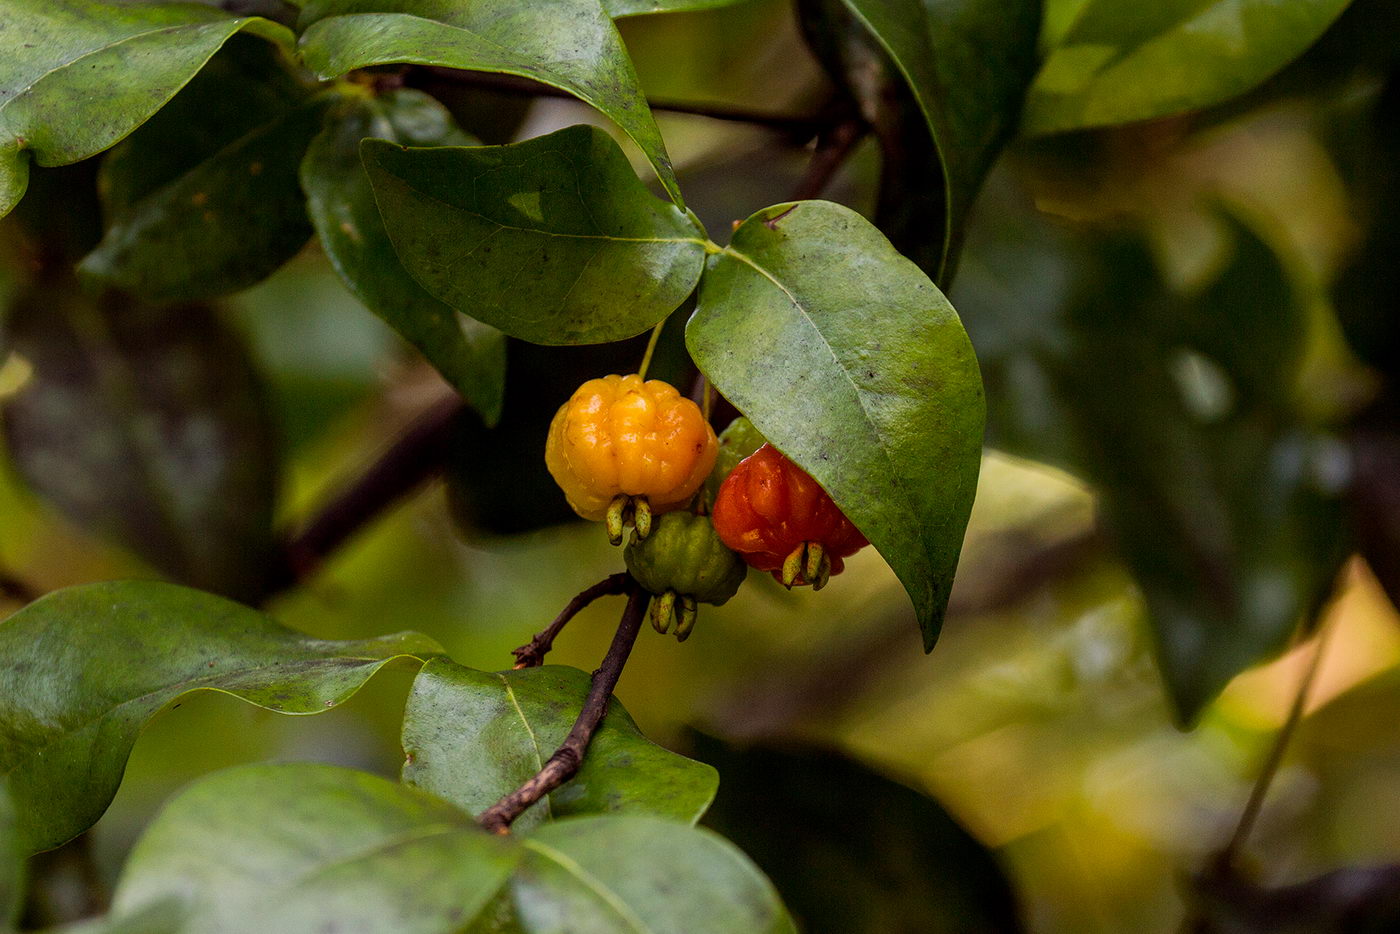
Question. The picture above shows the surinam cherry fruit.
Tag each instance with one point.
(623, 450)
(776, 516)
(684, 563)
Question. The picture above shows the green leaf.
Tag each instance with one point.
(852, 363)
(11, 863)
(1121, 62)
(205, 200)
(968, 64)
(469, 354)
(1224, 503)
(851, 850)
(83, 669)
(553, 240)
(308, 847)
(603, 875)
(568, 44)
(473, 736)
(146, 425)
(77, 76)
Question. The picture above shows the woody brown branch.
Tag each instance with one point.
(565, 761)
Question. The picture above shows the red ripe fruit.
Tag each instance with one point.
(776, 516)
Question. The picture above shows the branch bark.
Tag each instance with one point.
(802, 127)
(565, 761)
(834, 146)
(531, 654)
(410, 461)
(12, 588)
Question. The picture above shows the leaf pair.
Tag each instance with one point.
(316, 847)
(82, 671)
(80, 75)
(296, 847)
(838, 349)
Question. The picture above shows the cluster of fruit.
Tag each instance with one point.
(701, 508)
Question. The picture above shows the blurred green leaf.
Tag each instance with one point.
(146, 425)
(78, 76)
(473, 736)
(1123, 62)
(83, 669)
(309, 847)
(601, 875)
(205, 200)
(553, 240)
(853, 852)
(962, 68)
(1224, 504)
(11, 863)
(568, 44)
(340, 200)
(851, 362)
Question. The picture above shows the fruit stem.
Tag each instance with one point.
(532, 653)
(651, 349)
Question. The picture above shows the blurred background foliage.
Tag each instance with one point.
(1188, 336)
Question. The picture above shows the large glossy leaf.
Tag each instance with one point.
(11, 863)
(146, 425)
(851, 850)
(77, 76)
(966, 65)
(469, 354)
(83, 669)
(1120, 62)
(604, 875)
(308, 847)
(205, 199)
(473, 736)
(1223, 502)
(554, 240)
(850, 361)
(569, 44)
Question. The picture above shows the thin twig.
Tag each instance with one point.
(565, 761)
(834, 147)
(531, 655)
(1228, 856)
(798, 126)
(418, 455)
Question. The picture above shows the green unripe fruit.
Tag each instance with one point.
(684, 555)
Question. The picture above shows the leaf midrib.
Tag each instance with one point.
(534, 740)
(860, 399)
(547, 75)
(21, 93)
(184, 687)
(595, 886)
(698, 241)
